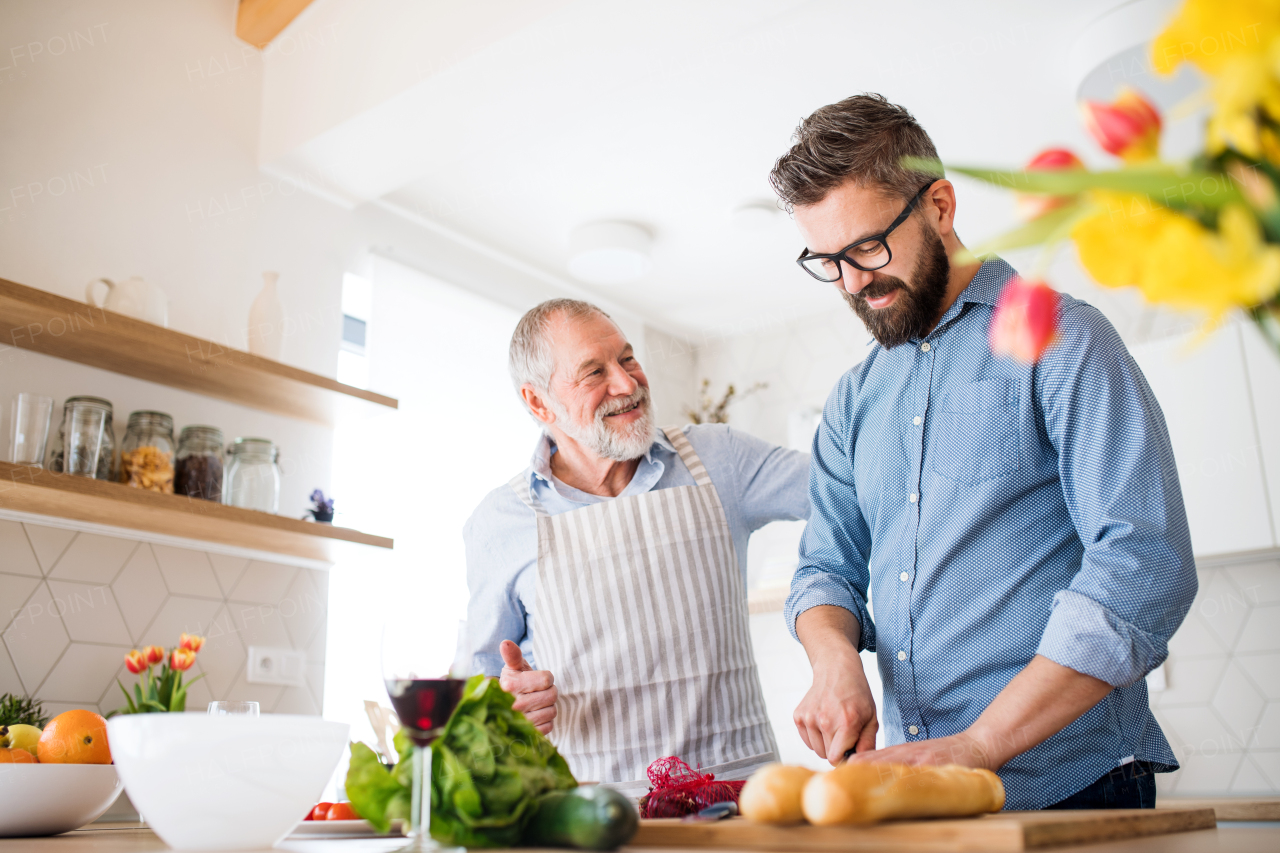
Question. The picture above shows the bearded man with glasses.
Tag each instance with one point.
(1019, 529)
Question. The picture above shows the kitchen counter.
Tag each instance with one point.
(130, 838)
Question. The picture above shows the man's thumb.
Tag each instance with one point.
(512, 656)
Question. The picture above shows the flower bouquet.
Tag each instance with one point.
(1202, 235)
(164, 691)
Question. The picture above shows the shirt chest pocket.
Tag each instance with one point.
(975, 433)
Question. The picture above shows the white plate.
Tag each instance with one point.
(343, 828)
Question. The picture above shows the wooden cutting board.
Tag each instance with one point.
(1234, 808)
(996, 832)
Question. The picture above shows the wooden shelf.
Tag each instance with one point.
(54, 325)
(41, 492)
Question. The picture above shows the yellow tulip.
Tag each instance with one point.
(1237, 44)
(1175, 260)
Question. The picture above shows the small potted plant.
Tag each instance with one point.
(164, 692)
(321, 508)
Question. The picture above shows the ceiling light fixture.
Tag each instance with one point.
(754, 216)
(610, 253)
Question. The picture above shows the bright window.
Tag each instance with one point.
(417, 473)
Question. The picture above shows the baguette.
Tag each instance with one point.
(866, 793)
(773, 793)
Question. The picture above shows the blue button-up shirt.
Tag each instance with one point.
(992, 511)
(757, 483)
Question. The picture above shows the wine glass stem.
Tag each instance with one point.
(420, 806)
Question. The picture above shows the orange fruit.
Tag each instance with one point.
(74, 737)
(16, 756)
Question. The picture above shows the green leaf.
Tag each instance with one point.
(1054, 225)
(1165, 184)
(490, 767)
(371, 789)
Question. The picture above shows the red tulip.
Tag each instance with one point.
(1025, 321)
(190, 642)
(1031, 206)
(135, 662)
(182, 659)
(154, 654)
(1128, 127)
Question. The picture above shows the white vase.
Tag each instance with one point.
(266, 320)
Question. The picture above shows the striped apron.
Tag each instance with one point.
(641, 616)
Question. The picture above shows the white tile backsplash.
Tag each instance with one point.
(89, 612)
(16, 556)
(76, 603)
(48, 543)
(187, 572)
(93, 558)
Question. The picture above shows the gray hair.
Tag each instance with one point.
(529, 359)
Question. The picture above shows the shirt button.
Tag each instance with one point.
(916, 420)
(903, 577)
(914, 497)
(925, 347)
(902, 655)
(913, 730)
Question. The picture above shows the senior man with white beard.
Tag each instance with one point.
(608, 578)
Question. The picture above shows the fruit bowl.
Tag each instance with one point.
(224, 783)
(46, 799)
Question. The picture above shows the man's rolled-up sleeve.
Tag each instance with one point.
(836, 542)
(494, 611)
(1137, 579)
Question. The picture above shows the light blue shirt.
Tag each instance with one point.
(992, 511)
(757, 482)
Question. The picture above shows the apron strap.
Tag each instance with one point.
(687, 455)
(523, 490)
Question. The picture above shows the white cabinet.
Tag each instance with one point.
(1208, 401)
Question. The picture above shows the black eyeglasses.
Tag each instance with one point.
(868, 254)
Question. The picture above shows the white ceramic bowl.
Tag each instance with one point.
(224, 783)
(46, 799)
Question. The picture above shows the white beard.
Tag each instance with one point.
(621, 444)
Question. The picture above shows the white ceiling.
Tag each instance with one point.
(511, 122)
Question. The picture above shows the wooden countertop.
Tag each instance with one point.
(129, 838)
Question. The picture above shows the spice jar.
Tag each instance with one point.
(253, 477)
(146, 454)
(106, 455)
(197, 471)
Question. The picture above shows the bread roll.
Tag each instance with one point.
(772, 794)
(865, 793)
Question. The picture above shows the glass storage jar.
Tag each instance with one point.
(146, 453)
(107, 454)
(253, 478)
(197, 470)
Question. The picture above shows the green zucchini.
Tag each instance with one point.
(591, 817)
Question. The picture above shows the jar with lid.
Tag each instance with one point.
(107, 453)
(253, 478)
(146, 453)
(197, 469)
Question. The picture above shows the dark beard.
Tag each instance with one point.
(917, 309)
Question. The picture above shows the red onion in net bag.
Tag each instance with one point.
(676, 790)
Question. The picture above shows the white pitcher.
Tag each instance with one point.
(133, 297)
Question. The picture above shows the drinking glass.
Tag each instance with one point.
(84, 439)
(424, 694)
(30, 430)
(229, 709)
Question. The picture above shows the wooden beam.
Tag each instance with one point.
(260, 21)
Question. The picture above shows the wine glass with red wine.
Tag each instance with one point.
(424, 693)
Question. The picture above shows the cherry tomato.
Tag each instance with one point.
(342, 811)
(320, 812)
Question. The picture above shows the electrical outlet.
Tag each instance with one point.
(275, 666)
